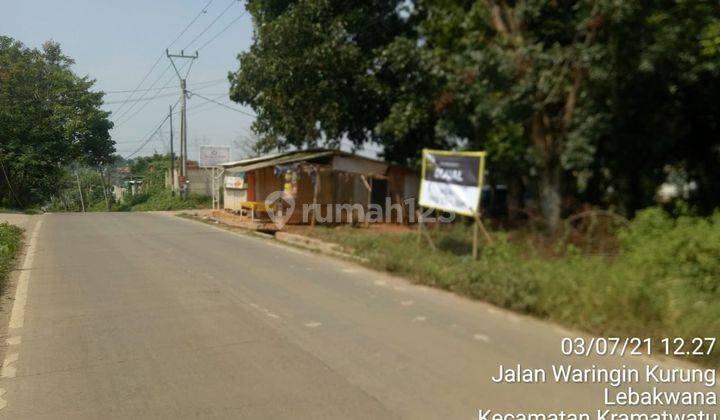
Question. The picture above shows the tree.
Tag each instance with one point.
(49, 118)
(579, 100)
(309, 74)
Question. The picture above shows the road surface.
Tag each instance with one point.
(139, 315)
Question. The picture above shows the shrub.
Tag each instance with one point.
(10, 237)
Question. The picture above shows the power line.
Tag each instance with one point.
(202, 11)
(155, 64)
(222, 30)
(121, 115)
(224, 105)
(167, 83)
(207, 82)
(141, 99)
(130, 96)
(150, 136)
(211, 23)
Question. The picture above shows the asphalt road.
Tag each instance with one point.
(136, 315)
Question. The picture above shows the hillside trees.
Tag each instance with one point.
(49, 118)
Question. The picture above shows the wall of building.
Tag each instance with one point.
(200, 181)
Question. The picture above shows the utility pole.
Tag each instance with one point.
(104, 187)
(183, 111)
(172, 156)
(82, 201)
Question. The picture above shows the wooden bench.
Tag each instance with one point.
(253, 206)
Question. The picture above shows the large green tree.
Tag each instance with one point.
(310, 72)
(49, 118)
(578, 100)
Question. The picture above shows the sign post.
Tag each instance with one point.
(211, 157)
(453, 182)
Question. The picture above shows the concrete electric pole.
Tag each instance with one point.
(172, 155)
(183, 112)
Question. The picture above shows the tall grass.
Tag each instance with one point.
(10, 239)
(664, 282)
(162, 199)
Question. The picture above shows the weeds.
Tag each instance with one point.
(663, 282)
(10, 238)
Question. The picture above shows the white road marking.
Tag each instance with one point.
(380, 283)
(399, 288)
(406, 302)
(9, 371)
(420, 318)
(17, 317)
(272, 315)
(13, 341)
(312, 324)
(3, 403)
(481, 337)
(349, 270)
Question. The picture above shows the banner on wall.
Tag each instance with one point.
(235, 180)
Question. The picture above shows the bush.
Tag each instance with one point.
(162, 199)
(10, 237)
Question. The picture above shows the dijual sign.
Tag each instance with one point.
(452, 181)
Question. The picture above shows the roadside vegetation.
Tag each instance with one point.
(663, 280)
(162, 199)
(98, 197)
(10, 240)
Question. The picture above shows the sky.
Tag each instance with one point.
(118, 42)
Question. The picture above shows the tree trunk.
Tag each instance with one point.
(550, 198)
(515, 197)
(550, 171)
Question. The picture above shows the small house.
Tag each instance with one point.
(337, 186)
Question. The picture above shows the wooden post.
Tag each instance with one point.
(475, 237)
(368, 185)
(104, 187)
(418, 216)
(478, 225)
(423, 232)
(316, 188)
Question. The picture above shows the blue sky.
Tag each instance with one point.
(117, 43)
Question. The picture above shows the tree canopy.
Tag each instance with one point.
(49, 118)
(595, 101)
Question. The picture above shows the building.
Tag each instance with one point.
(319, 176)
(199, 179)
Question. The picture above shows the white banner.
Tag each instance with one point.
(213, 156)
(460, 199)
(452, 181)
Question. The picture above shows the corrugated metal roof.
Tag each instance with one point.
(272, 160)
(250, 160)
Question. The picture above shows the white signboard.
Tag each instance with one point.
(213, 156)
(452, 181)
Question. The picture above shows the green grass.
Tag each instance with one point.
(664, 282)
(10, 239)
(160, 200)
